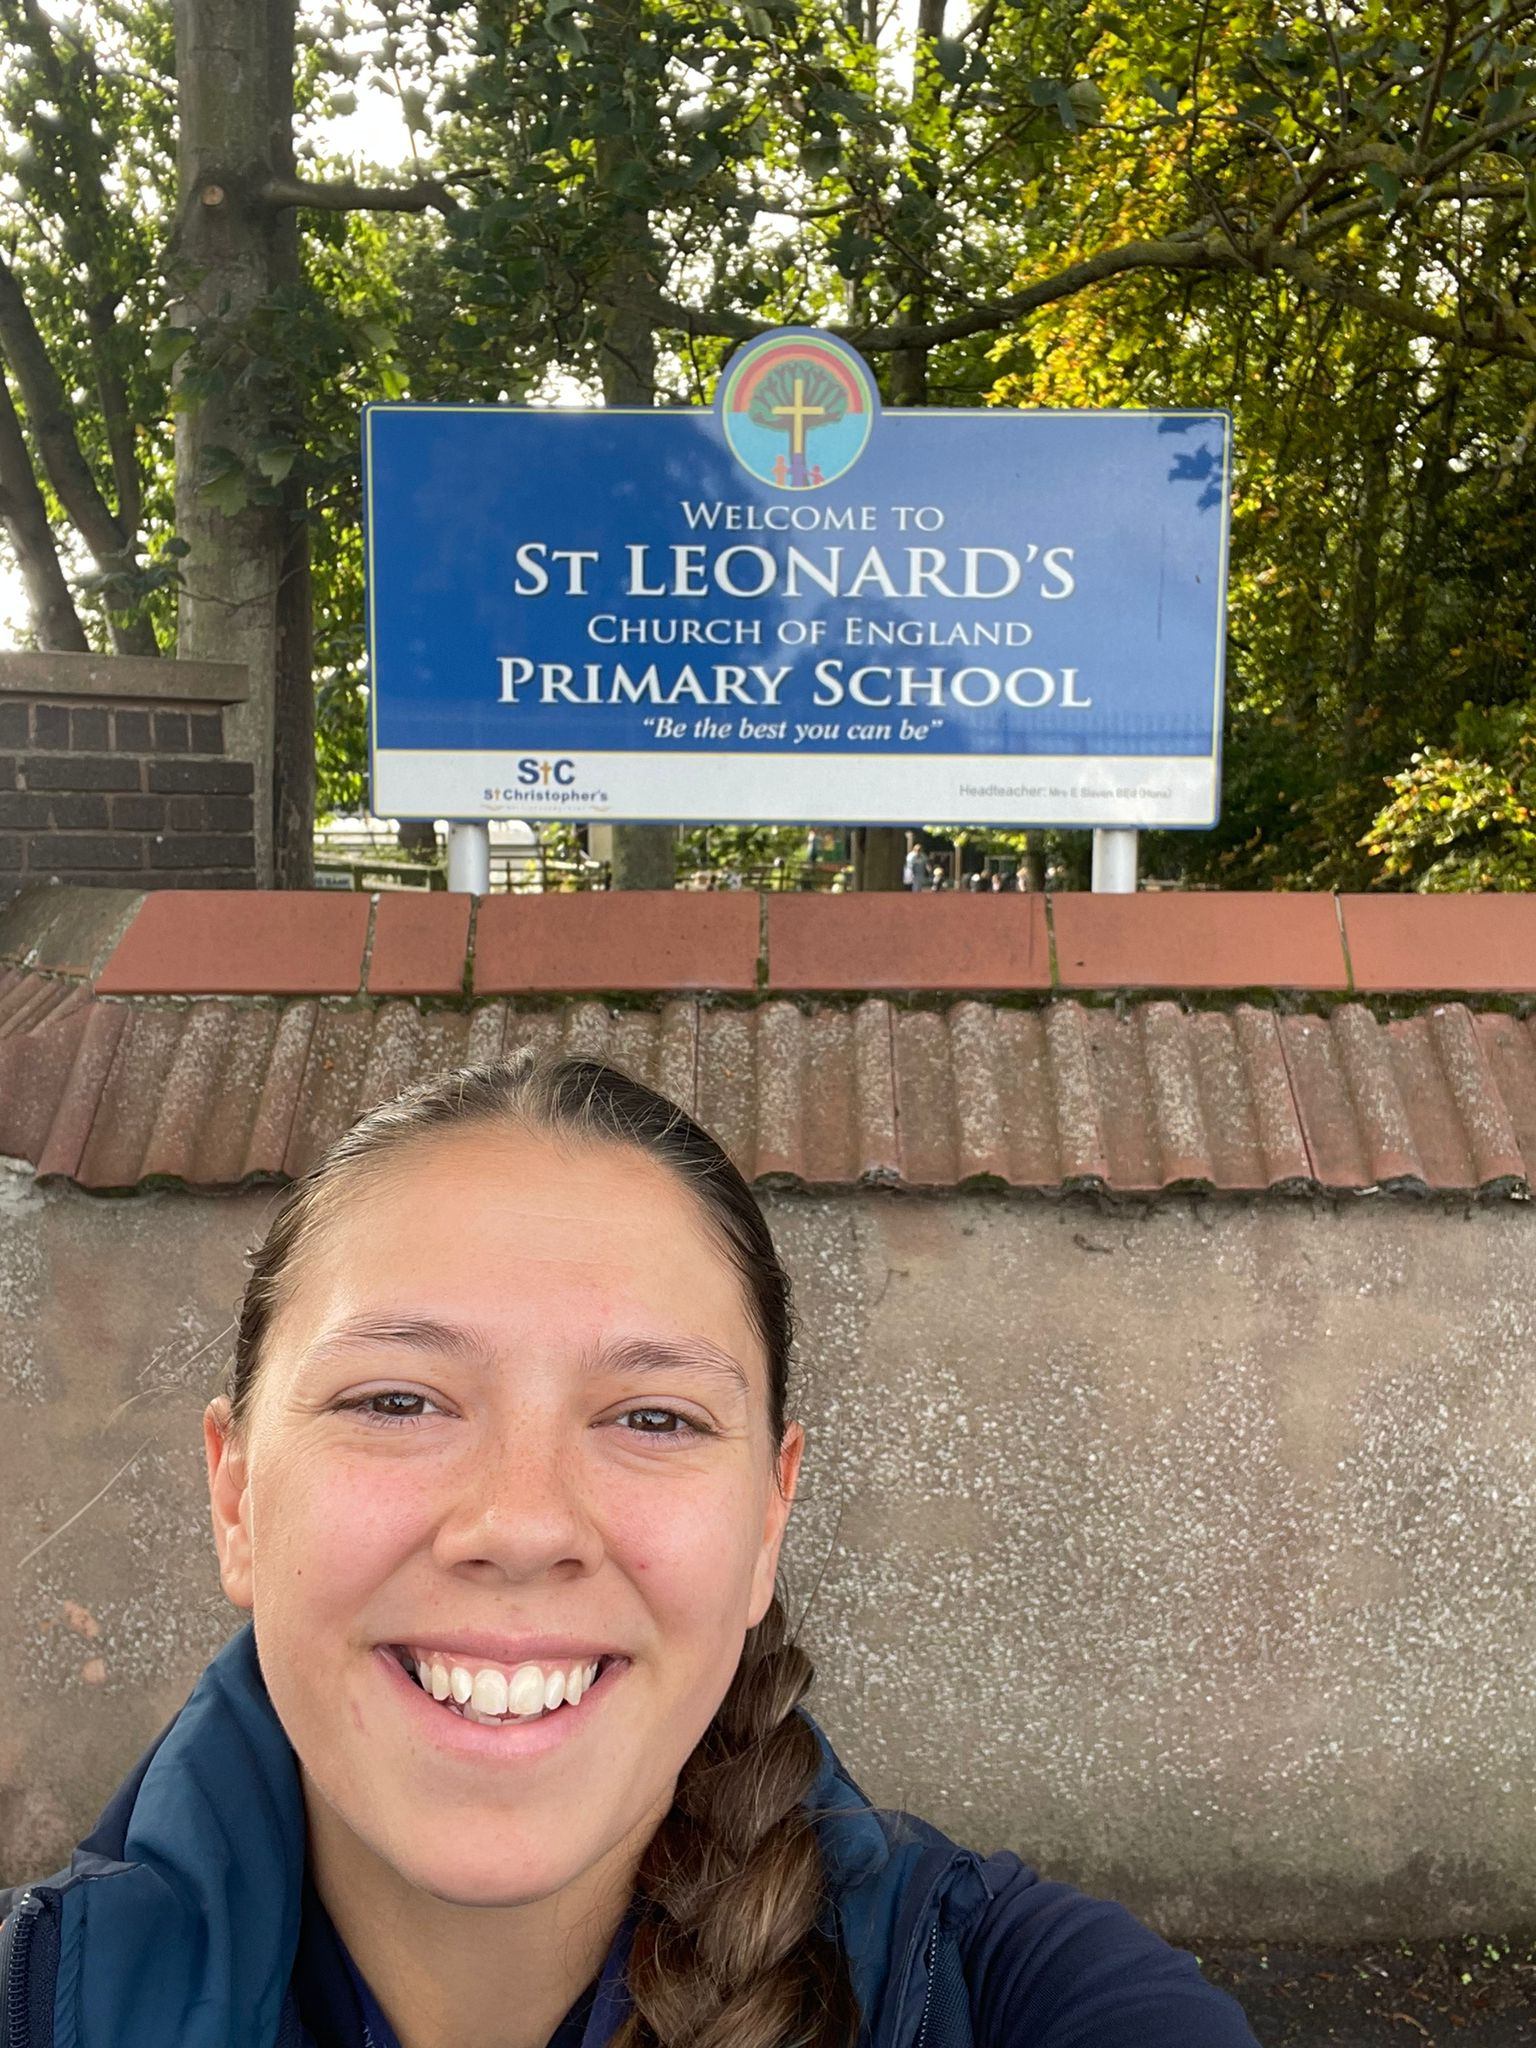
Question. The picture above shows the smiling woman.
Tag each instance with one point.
(511, 1752)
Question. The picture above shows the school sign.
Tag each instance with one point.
(793, 606)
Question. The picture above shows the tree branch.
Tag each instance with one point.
(25, 518)
(48, 414)
(116, 415)
(344, 195)
(1510, 333)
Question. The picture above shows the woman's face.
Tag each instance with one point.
(585, 1470)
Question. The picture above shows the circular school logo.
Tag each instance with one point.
(797, 407)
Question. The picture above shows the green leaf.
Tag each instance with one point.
(168, 345)
(562, 27)
(227, 492)
(631, 180)
(276, 460)
(1386, 184)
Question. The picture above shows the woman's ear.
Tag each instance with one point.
(229, 1500)
(780, 1496)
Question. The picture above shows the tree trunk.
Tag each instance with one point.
(880, 850)
(246, 596)
(639, 856)
(879, 856)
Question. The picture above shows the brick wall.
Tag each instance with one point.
(116, 771)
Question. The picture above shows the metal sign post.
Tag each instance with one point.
(469, 859)
(1114, 863)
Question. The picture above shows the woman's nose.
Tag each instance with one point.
(521, 1506)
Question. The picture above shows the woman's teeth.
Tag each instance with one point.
(487, 1694)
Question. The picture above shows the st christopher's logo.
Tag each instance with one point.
(796, 408)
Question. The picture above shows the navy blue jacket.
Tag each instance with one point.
(177, 1921)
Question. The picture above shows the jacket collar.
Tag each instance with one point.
(193, 1938)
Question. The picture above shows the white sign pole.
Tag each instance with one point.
(469, 859)
(1114, 863)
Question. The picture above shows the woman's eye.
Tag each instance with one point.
(655, 1421)
(364, 1406)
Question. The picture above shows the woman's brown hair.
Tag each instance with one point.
(733, 1946)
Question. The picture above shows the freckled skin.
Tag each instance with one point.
(477, 1901)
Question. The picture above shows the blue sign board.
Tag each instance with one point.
(793, 606)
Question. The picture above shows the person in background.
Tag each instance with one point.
(916, 868)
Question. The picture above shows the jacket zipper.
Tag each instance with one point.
(14, 1957)
(933, 1949)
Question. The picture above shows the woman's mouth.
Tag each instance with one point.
(496, 1696)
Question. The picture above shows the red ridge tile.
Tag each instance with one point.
(110, 1093)
(420, 937)
(780, 1133)
(877, 1132)
(329, 1093)
(980, 1082)
(191, 1096)
(240, 942)
(486, 1039)
(1024, 1087)
(70, 1131)
(130, 1098)
(1276, 1120)
(1479, 944)
(1079, 1134)
(925, 1099)
(729, 1070)
(1229, 1120)
(1123, 1100)
(1510, 1047)
(1205, 940)
(642, 939)
(907, 941)
(1173, 1094)
(1490, 1134)
(278, 1100)
(1324, 1106)
(1386, 1135)
(35, 1073)
(1435, 1130)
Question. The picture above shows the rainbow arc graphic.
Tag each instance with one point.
(797, 408)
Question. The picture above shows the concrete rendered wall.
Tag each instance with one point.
(1185, 1548)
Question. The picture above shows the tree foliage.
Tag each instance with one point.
(1322, 216)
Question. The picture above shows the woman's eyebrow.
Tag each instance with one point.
(665, 1354)
(415, 1333)
(454, 1340)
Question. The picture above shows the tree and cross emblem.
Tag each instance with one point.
(800, 390)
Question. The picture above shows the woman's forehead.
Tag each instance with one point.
(496, 1226)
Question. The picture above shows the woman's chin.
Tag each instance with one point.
(495, 1884)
